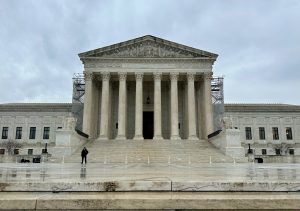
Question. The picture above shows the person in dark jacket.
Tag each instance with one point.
(84, 153)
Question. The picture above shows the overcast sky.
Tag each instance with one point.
(258, 43)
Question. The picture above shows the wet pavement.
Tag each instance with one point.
(50, 172)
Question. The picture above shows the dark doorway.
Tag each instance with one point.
(148, 124)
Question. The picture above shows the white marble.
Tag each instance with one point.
(228, 141)
(122, 107)
(144, 177)
(104, 117)
(192, 134)
(157, 106)
(139, 107)
(174, 107)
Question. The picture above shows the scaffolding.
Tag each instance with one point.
(79, 90)
(78, 99)
(218, 101)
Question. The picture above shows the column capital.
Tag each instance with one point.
(207, 76)
(190, 76)
(139, 76)
(174, 76)
(122, 76)
(105, 76)
(88, 76)
(157, 76)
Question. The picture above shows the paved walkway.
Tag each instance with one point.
(19, 172)
(169, 186)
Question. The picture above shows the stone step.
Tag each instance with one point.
(164, 151)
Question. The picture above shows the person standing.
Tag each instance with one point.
(84, 153)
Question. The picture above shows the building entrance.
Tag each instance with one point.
(148, 124)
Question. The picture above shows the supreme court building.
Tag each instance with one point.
(151, 88)
(148, 88)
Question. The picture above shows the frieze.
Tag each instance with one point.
(148, 63)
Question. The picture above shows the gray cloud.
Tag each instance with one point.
(258, 43)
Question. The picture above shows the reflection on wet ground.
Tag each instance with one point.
(201, 172)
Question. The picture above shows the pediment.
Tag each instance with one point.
(148, 47)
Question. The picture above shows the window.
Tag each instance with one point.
(30, 151)
(248, 133)
(19, 133)
(275, 133)
(59, 128)
(277, 151)
(262, 135)
(2, 151)
(291, 151)
(263, 151)
(16, 151)
(32, 132)
(288, 131)
(4, 132)
(46, 132)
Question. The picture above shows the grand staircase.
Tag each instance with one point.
(149, 151)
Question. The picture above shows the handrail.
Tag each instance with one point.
(214, 134)
(82, 133)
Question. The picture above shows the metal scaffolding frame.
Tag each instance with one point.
(78, 98)
(79, 90)
(217, 91)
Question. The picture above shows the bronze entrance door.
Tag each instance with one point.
(148, 127)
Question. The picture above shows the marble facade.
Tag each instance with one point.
(148, 74)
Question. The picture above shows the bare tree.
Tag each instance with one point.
(283, 148)
(10, 145)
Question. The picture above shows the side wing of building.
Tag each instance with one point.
(268, 129)
(32, 123)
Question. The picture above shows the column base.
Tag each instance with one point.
(157, 138)
(138, 137)
(175, 137)
(102, 138)
(193, 138)
(121, 137)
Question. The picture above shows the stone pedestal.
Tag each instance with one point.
(67, 141)
(229, 142)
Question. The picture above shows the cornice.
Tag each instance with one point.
(261, 108)
(36, 107)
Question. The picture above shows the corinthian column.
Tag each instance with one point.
(138, 107)
(122, 107)
(192, 135)
(104, 106)
(208, 109)
(157, 106)
(87, 109)
(174, 107)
